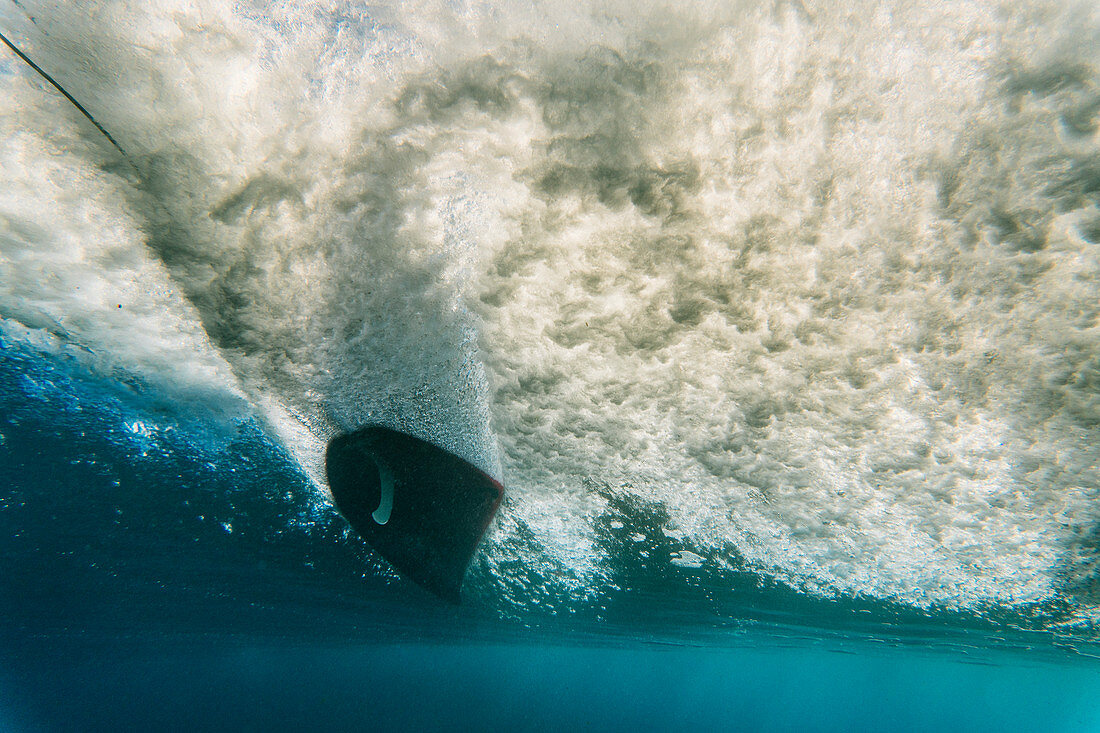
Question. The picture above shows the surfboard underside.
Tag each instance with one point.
(424, 510)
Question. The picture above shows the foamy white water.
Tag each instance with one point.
(823, 284)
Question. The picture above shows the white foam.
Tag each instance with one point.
(821, 282)
(74, 272)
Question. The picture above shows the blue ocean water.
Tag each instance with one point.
(155, 578)
(778, 321)
(536, 684)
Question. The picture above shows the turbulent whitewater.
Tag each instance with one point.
(783, 289)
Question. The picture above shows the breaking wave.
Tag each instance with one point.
(742, 288)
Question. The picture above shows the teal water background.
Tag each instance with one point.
(159, 579)
(778, 321)
(537, 684)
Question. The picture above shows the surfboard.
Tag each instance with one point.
(423, 509)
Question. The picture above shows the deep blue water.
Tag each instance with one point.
(160, 572)
(820, 278)
(533, 684)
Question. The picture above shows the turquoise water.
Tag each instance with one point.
(128, 603)
(535, 684)
(778, 322)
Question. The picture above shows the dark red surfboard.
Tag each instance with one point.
(421, 508)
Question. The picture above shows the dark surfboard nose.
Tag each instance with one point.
(421, 508)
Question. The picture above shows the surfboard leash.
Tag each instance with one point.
(41, 72)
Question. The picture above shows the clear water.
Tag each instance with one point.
(778, 322)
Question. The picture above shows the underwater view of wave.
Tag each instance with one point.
(779, 323)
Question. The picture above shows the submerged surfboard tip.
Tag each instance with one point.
(423, 509)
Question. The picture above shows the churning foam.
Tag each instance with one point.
(821, 283)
